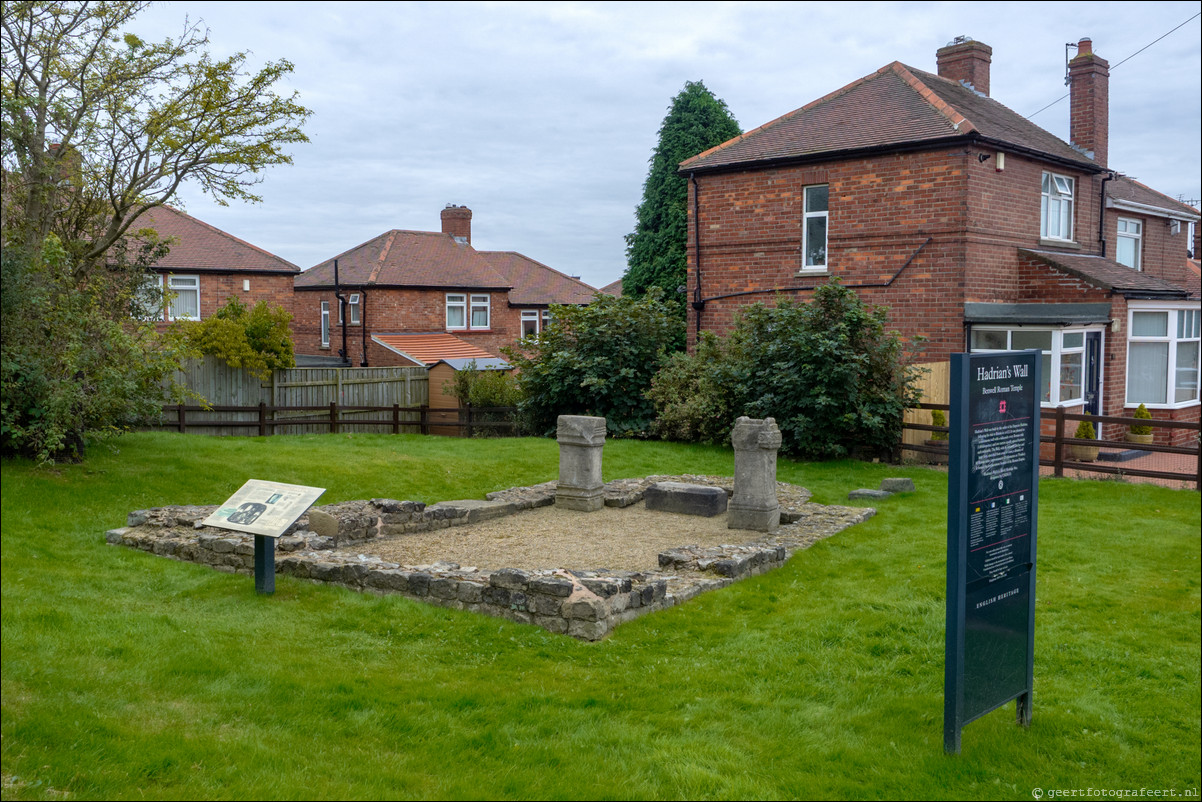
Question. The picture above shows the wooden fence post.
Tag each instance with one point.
(469, 421)
(333, 417)
(179, 412)
(396, 418)
(262, 419)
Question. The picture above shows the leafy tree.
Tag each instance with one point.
(656, 251)
(595, 360)
(834, 378)
(98, 127)
(256, 338)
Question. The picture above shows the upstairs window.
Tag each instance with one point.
(147, 301)
(479, 312)
(1130, 238)
(813, 227)
(185, 297)
(1056, 207)
(325, 324)
(456, 311)
(352, 305)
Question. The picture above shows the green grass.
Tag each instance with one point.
(127, 676)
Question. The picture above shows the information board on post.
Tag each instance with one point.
(993, 491)
(265, 510)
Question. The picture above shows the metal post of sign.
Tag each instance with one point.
(264, 564)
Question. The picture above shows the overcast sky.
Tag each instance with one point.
(541, 117)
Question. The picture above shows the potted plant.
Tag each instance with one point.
(938, 439)
(1139, 433)
(1084, 453)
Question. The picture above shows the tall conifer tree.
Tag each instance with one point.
(655, 252)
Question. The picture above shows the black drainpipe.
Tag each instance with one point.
(341, 315)
(363, 323)
(698, 301)
(1102, 212)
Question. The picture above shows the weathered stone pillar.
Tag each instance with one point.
(754, 504)
(581, 439)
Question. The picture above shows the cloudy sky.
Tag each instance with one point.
(541, 117)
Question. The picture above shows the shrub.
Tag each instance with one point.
(483, 388)
(828, 371)
(1143, 414)
(938, 418)
(256, 339)
(598, 360)
(1085, 431)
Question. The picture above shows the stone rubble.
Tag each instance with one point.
(584, 604)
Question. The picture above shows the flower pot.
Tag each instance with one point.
(1141, 439)
(1083, 453)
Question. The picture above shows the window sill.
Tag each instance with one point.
(1166, 407)
(1059, 243)
(469, 331)
(816, 273)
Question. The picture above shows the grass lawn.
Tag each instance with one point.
(131, 676)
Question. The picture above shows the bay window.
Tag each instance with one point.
(1163, 356)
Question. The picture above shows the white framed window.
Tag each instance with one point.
(352, 304)
(530, 320)
(325, 324)
(814, 228)
(185, 297)
(1163, 356)
(147, 301)
(456, 311)
(1130, 239)
(1063, 358)
(1056, 207)
(479, 312)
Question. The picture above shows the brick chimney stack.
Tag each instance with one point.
(457, 221)
(1089, 115)
(966, 60)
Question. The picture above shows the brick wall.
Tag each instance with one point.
(396, 311)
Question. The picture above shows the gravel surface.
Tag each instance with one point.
(629, 538)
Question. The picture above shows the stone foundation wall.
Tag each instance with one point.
(582, 604)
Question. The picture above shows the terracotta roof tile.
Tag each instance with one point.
(407, 259)
(426, 348)
(613, 288)
(535, 284)
(897, 105)
(1107, 274)
(199, 246)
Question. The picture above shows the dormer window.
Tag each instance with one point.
(1056, 207)
(1130, 238)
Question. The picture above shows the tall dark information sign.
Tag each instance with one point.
(993, 493)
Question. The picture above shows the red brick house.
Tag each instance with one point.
(426, 282)
(206, 267)
(978, 229)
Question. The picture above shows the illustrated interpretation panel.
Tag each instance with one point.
(264, 508)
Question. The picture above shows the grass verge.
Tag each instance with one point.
(127, 675)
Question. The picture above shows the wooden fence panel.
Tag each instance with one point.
(221, 385)
(934, 386)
